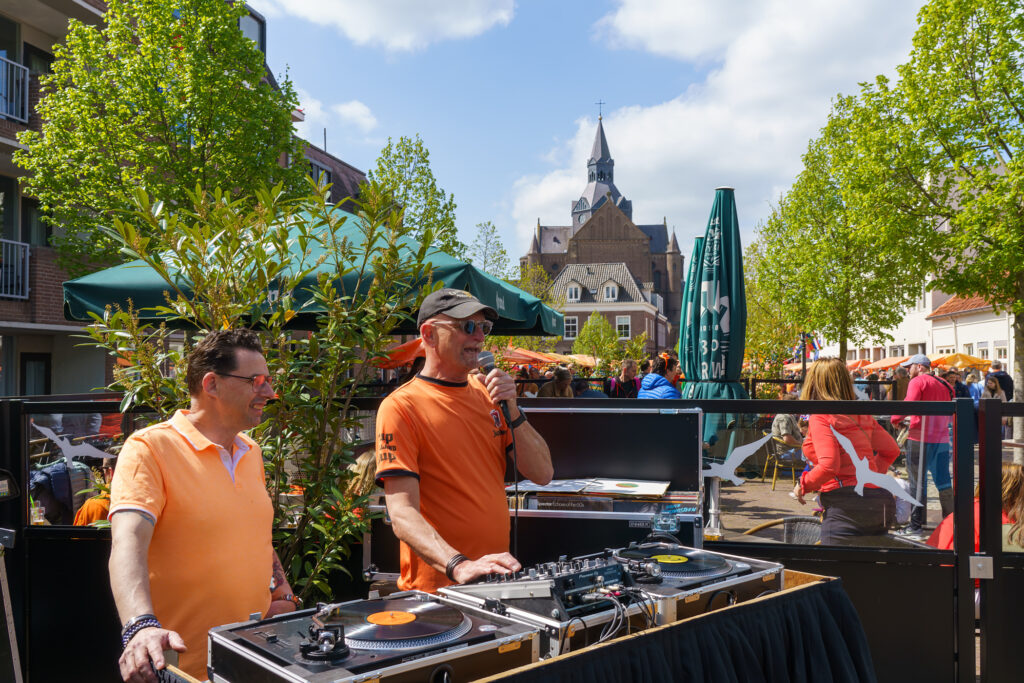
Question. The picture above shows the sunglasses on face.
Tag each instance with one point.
(470, 326)
(257, 381)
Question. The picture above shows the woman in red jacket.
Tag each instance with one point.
(848, 515)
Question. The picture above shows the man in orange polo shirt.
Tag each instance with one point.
(441, 447)
(190, 517)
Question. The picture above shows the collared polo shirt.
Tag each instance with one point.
(211, 555)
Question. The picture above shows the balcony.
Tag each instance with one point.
(13, 270)
(13, 90)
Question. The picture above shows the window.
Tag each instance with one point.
(37, 61)
(969, 349)
(254, 27)
(657, 280)
(581, 218)
(8, 208)
(622, 326)
(1001, 351)
(896, 351)
(572, 294)
(983, 354)
(611, 292)
(571, 327)
(320, 174)
(946, 350)
(33, 230)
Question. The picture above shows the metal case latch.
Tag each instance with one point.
(981, 567)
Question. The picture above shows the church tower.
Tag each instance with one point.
(600, 183)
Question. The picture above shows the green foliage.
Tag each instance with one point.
(636, 348)
(822, 257)
(310, 431)
(403, 171)
(488, 253)
(167, 95)
(771, 326)
(598, 339)
(945, 144)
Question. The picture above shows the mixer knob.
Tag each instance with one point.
(533, 573)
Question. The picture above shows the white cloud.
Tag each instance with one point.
(775, 66)
(398, 25)
(353, 120)
(357, 114)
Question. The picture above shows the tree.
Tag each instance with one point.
(635, 348)
(771, 325)
(403, 170)
(944, 143)
(822, 257)
(487, 252)
(167, 95)
(307, 435)
(598, 339)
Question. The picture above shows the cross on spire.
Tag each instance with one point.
(600, 103)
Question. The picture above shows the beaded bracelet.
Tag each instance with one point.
(136, 624)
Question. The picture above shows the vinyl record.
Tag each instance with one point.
(402, 622)
(675, 559)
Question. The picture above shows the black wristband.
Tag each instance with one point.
(518, 421)
(457, 559)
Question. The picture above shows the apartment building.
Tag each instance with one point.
(40, 351)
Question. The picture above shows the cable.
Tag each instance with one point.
(515, 509)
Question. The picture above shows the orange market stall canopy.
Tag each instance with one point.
(400, 355)
(886, 363)
(963, 360)
(514, 354)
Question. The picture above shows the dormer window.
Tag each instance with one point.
(572, 293)
(611, 292)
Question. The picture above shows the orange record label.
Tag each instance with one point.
(670, 559)
(391, 618)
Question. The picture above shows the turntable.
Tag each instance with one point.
(696, 581)
(408, 636)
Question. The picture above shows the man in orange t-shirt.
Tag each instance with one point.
(441, 447)
(190, 518)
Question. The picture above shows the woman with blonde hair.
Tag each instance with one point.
(848, 515)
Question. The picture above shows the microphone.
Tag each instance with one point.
(486, 362)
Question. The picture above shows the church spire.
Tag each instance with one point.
(599, 152)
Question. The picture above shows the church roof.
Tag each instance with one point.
(596, 191)
(599, 152)
(594, 275)
(659, 237)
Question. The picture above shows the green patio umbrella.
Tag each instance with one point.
(520, 313)
(691, 307)
(717, 330)
(715, 341)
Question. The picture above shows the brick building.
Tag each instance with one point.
(642, 260)
(39, 349)
(613, 291)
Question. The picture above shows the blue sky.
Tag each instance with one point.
(699, 94)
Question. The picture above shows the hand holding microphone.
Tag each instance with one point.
(499, 384)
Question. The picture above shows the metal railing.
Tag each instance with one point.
(13, 269)
(13, 90)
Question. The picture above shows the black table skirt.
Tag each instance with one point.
(810, 634)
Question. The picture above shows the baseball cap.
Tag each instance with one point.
(454, 302)
(917, 359)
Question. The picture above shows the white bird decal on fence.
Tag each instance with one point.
(72, 450)
(727, 470)
(866, 475)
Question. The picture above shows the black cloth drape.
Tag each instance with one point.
(811, 634)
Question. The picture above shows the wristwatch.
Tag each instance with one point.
(293, 599)
(518, 421)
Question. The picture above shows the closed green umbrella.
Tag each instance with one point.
(718, 341)
(520, 313)
(688, 322)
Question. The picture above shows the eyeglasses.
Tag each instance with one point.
(257, 381)
(470, 326)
